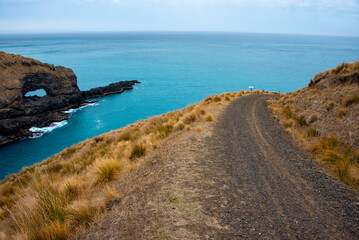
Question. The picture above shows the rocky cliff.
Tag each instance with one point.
(20, 75)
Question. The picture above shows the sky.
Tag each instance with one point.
(314, 17)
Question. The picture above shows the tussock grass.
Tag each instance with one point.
(312, 132)
(80, 212)
(179, 126)
(209, 118)
(107, 169)
(354, 99)
(138, 150)
(288, 112)
(53, 198)
(340, 68)
(217, 98)
(300, 120)
(341, 111)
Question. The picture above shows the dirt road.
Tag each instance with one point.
(242, 178)
(272, 189)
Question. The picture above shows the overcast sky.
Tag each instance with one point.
(322, 17)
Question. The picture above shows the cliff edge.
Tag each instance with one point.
(21, 75)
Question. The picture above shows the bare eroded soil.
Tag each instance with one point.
(241, 178)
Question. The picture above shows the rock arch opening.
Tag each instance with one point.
(36, 93)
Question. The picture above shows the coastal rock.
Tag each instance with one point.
(21, 75)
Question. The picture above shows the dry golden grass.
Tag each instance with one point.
(80, 212)
(53, 198)
(107, 169)
(210, 118)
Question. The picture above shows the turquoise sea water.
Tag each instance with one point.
(176, 69)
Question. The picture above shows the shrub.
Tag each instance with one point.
(288, 124)
(98, 139)
(227, 98)
(356, 67)
(300, 120)
(330, 143)
(340, 68)
(127, 136)
(80, 212)
(330, 106)
(188, 118)
(138, 150)
(341, 111)
(313, 118)
(71, 189)
(178, 126)
(107, 169)
(312, 132)
(288, 112)
(209, 118)
(188, 127)
(164, 131)
(216, 98)
(351, 100)
(199, 129)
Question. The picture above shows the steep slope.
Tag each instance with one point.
(66, 192)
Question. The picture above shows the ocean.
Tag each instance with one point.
(175, 69)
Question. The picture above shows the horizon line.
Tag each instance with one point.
(167, 31)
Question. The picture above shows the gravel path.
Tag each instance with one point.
(265, 186)
(242, 178)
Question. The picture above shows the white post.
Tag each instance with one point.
(251, 88)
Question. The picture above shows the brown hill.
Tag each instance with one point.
(325, 117)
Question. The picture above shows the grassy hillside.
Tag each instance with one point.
(54, 198)
(325, 118)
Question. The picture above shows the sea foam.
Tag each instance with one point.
(73, 110)
(38, 132)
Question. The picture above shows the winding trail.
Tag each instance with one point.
(269, 188)
(242, 178)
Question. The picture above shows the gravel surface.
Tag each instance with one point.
(265, 186)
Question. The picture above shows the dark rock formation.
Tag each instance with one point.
(20, 75)
(118, 87)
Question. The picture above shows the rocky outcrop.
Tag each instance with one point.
(113, 88)
(20, 75)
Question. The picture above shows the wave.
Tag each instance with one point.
(72, 110)
(38, 132)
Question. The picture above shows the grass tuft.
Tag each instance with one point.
(312, 132)
(80, 212)
(288, 112)
(138, 150)
(107, 169)
(300, 120)
(340, 68)
(216, 98)
(179, 126)
(351, 100)
(209, 118)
